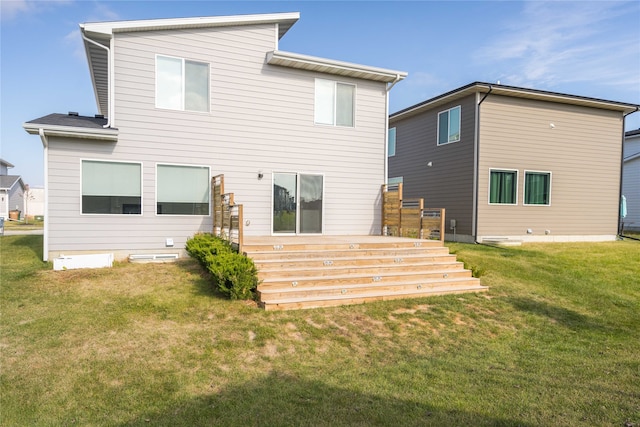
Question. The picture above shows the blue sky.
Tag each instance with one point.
(585, 48)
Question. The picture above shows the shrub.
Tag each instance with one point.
(234, 274)
(202, 245)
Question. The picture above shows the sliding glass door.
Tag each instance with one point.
(297, 203)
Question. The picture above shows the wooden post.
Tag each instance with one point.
(442, 224)
(240, 227)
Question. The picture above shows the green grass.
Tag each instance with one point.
(554, 342)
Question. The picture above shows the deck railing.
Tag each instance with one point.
(227, 215)
(408, 217)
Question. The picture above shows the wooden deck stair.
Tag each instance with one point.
(329, 272)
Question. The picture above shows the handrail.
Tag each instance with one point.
(408, 217)
(227, 215)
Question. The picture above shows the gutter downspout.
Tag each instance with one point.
(386, 134)
(624, 117)
(476, 160)
(45, 240)
(109, 75)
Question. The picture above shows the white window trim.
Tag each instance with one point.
(335, 103)
(516, 186)
(438, 143)
(155, 208)
(524, 183)
(115, 161)
(182, 97)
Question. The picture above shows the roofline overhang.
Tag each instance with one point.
(101, 29)
(13, 184)
(7, 164)
(517, 92)
(631, 157)
(108, 135)
(329, 66)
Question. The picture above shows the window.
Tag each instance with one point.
(182, 84)
(182, 190)
(503, 186)
(537, 188)
(395, 180)
(449, 126)
(391, 142)
(334, 103)
(111, 188)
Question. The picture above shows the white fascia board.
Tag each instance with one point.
(110, 135)
(286, 20)
(313, 63)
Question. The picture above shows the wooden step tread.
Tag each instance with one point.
(304, 267)
(332, 300)
(367, 277)
(425, 284)
(381, 258)
(351, 252)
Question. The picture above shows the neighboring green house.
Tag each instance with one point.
(513, 164)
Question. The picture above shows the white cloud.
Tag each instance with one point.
(554, 43)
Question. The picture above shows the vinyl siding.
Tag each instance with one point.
(631, 183)
(261, 119)
(582, 151)
(448, 183)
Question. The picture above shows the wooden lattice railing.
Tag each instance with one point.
(227, 215)
(408, 217)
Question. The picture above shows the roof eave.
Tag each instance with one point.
(284, 20)
(518, 92)
(323, 65)
(107, 135)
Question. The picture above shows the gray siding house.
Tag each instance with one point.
(631, 180)
(11, 190)
(183, 100)
(513, 164)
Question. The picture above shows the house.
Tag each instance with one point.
(301, 140)
(631, 180)
(11, 190)
(513, 164)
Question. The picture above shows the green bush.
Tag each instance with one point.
(234, 274)
(202, 245)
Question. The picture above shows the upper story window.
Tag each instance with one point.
(334, 103)
(111, 188)
(391, 142)
(182, 190)
(537, 188)
(449, 125)
(182, 84)
(503, 185)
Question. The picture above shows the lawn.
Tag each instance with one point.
(555, 342)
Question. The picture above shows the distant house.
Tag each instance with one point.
(300, 140)
(631, 179)
(511, 163)
(11, 190)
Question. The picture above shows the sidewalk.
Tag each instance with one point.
(13, 232)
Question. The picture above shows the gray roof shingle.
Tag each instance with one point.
(71, 120)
